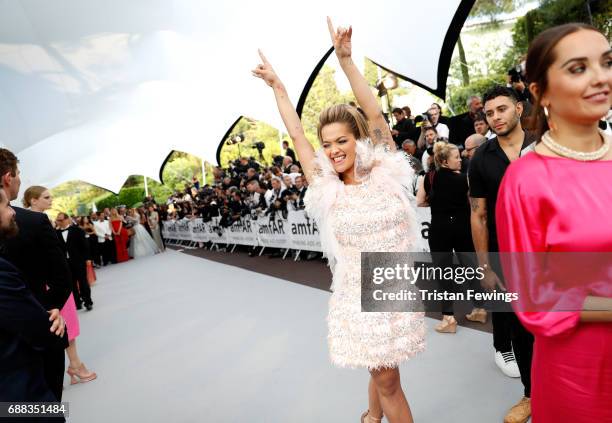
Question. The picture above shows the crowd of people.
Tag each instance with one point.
(46, 273)
(244, 188)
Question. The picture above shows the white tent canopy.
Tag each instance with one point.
(97, 90)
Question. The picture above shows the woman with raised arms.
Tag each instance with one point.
(359, 193)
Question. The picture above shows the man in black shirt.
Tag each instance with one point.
(288, 151)
(462, 126)
(487, 167)
(403, 129)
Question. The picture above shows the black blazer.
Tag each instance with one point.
(76, 245)
(36, 252)
(24, 336)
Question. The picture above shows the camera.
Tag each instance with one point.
(515, 75)
(259, 146)
(278, 161)
(421, 119)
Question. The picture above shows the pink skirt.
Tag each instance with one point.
(69, 313)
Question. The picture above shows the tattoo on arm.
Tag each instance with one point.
(378, 136)
(474, 204)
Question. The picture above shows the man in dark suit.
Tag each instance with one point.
(36, 253)
(76, 248)
(288, 151)
(26, 330)
(296, 197)
(403, 129)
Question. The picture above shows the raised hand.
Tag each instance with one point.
(265, 71)
(341, 38)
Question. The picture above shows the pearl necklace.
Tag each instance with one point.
(563, 151)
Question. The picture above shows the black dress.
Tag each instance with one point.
(450, 228)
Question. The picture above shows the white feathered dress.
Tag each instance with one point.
(374, 216)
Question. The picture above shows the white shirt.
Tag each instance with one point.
(102, 229)
(271, 197)
(425, 159)
(65, 236)
(443, 130)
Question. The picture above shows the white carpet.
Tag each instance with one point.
(176, 338)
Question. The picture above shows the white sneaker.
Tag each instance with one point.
(507, 363)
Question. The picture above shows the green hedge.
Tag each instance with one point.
(133, 195)
(127, 197)
(459, 95)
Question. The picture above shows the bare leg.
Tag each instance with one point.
(76, 369)
(374, 407)
(73, 356)
(392, 397)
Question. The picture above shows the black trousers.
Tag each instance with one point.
(94, 254)
(80, 286)
(449, 233)
(54, 367)
(510, 334)
(107, 251)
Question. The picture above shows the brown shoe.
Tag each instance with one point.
(520, 412)
(477, 315)
(448, 325)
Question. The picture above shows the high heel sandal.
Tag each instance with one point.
(477, 315)
(80, 374)
(448, 325)
(366, 418)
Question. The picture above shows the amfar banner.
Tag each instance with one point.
(297, 232)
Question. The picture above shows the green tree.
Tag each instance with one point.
(251, 132)
(483, 8)
(493, 8)
(179, 170)
(552, 13)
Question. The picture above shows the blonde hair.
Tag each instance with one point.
(114, 214)
(349, 115)
(32, 193)
(442, 151)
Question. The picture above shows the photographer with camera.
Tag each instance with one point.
(288, 151)
(403, 129)
(296, 199)
(434, 116)
(274, 193)
(515, 79)
(287, 163)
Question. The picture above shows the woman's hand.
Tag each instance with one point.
(265, 71)
(341, 38)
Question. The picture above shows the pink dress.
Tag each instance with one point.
(69, 313)
(553, 204)
(375, 216)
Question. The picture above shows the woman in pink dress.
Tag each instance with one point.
(39, 199)
(557, 200)
(359, 196)
(120, 236)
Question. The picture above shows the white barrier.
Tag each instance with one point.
(297, 232)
